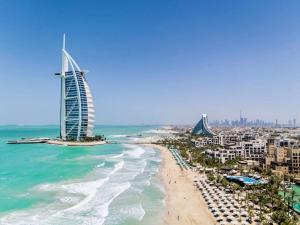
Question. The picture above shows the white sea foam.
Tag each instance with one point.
(87, 188)
(134, 151)
(98, 208)
(95, 157)
(117, 167)
(118, 136)
(117, 156)
(88, 157)
(161, 131)
(119, 189)
(134, 211)
(100, 165)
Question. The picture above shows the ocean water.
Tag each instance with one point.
(109, 184)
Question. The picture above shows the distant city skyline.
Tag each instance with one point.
(244, 121)
(153, 62)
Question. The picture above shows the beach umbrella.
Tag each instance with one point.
(236, 206)
(244, 213)
(216, 214)
(256, 219)
(235, 214)
(230, 218)
(215, 210)
(220, 220)
(210, 206)
(223, 223)
(256, 207)
(233, 202)
(226, 214)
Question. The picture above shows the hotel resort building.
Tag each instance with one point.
(77, 111)
(202, 128)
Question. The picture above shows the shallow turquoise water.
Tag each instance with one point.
(48, 184)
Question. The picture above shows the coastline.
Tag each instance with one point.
(73, 143)
(184, 203)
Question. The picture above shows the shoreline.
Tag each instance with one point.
(184, 203)
(73, 143)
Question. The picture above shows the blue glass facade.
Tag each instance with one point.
(76, 106)
(202, 129)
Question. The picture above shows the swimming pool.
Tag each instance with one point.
(244, 180)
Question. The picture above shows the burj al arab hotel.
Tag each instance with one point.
(77, 113)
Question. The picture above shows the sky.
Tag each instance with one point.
(153, 62)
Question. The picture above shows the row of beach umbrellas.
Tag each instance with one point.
(222, 205)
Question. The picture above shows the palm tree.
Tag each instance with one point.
(250, 213)
(290, 200)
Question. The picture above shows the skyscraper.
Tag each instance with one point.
(77, 113)
(202, 128)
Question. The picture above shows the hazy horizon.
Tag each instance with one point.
(153, 62)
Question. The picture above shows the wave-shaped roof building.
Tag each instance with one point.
(202, 128)
(77, 113)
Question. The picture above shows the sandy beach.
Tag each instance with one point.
(184, 202)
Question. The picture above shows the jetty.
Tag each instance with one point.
(29, 141)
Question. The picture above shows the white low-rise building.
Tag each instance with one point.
(205, 141)
(254, 150)
(248, 150)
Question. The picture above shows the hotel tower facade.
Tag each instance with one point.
(77, 112)
(202, 129)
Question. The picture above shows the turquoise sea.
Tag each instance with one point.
(108, 184)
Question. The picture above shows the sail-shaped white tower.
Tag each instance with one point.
(201, 127)
(77, 112)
